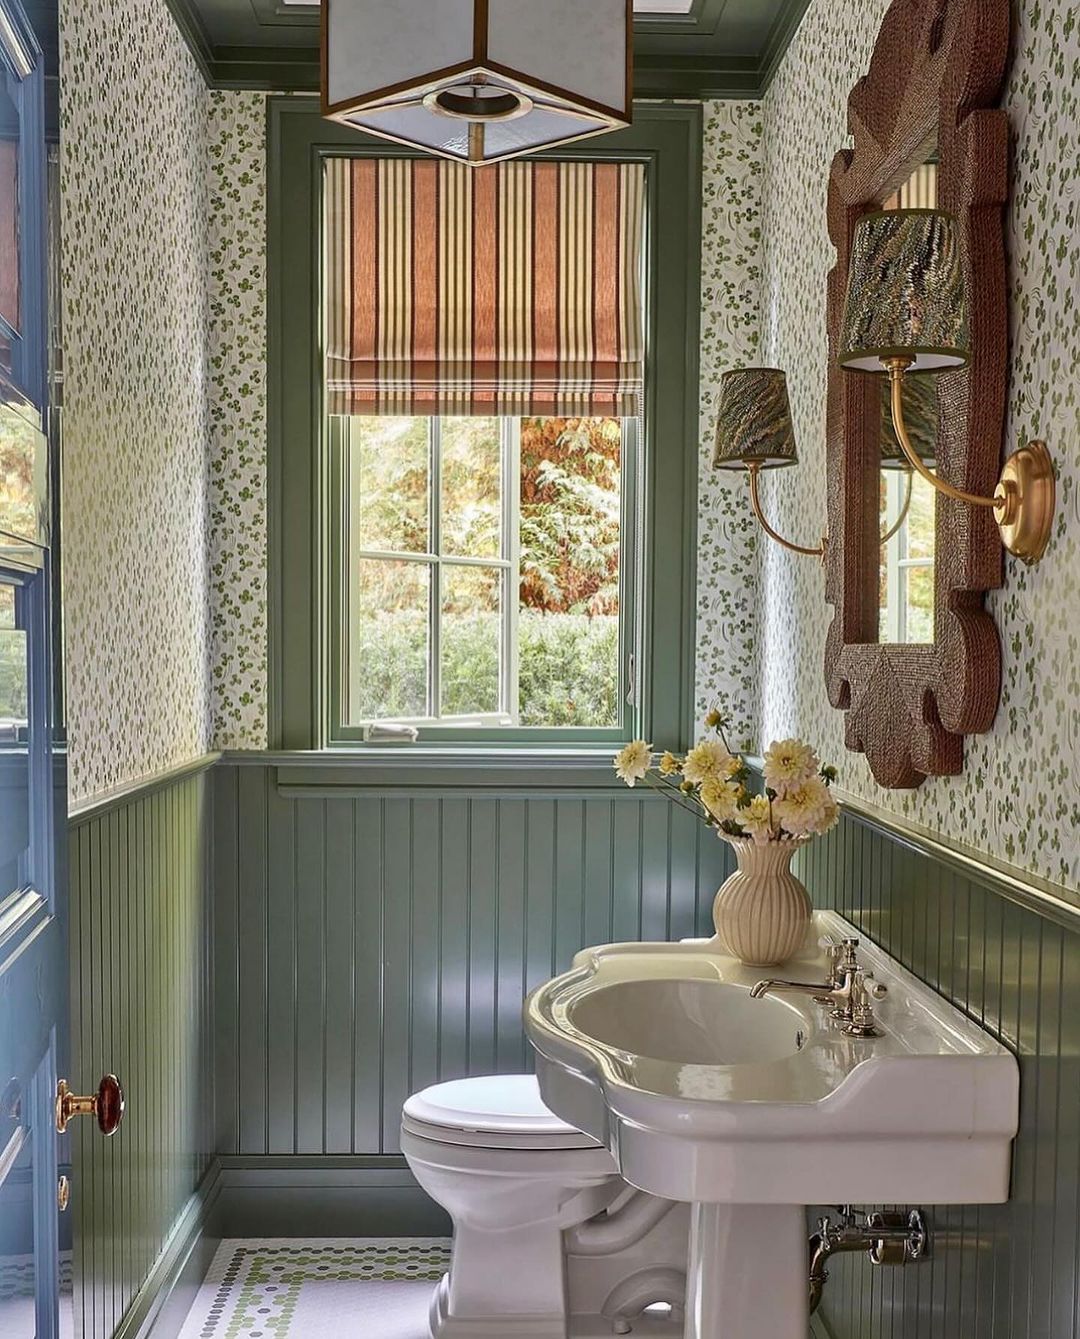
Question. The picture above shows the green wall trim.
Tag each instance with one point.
(998, 1270)
(140, 909)
(100, 805)
(668, 139)
(369, 945)
(1052, 900)
(183, 1243)
(435, 772)
(324, 1197)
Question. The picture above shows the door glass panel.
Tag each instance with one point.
(23, 466)
(14, 757)
(17, 1271)
(9, 218)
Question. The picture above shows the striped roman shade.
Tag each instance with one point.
(511, 289)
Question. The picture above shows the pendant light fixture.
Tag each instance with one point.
(478, 81)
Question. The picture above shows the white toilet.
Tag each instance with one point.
(549, 1241)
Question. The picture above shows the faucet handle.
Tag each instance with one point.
(864, 990)
(876, 990)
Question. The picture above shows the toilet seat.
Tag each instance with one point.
(497, 1111)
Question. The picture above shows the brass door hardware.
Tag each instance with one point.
(63, 1194)
(107, 1104)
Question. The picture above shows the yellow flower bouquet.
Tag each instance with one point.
(762, 912)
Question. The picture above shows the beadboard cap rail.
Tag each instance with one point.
(85, 811)
(1053, 900)
(396, 769)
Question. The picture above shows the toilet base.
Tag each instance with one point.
(444, 1326)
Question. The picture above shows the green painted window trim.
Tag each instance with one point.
(667, 138)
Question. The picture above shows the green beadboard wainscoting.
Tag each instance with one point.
(141, 1007)
(373, 939)
(1010, 959)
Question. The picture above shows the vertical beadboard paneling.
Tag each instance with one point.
(141, 993)
(369, 945)
(997, 1271)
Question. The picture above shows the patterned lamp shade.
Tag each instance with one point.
(905, 293)
(754, 423)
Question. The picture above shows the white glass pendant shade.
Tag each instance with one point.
(478, 80)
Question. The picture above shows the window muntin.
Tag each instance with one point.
(483, 570)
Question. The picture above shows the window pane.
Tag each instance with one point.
(568, 633)
(471, 637)
(389, 462)
(471, 487)
(388, 642)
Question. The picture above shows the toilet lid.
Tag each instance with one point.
(503, 1111)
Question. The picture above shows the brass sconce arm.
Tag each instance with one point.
(753, 470)
(902, 517)
(1023, 502)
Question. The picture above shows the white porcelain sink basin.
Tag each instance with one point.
(705, 1094)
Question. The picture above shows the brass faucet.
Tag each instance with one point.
(849, 992)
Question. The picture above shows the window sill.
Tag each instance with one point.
(420, 770)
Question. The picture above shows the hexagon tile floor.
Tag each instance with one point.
(283, 1288)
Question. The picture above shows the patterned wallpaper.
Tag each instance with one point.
(731, 278)
(728, 537)
(1018, 798)
(133, 178)
(237, 360)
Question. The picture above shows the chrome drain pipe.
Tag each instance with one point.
(887, 1239)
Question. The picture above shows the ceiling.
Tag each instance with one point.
(682, 48)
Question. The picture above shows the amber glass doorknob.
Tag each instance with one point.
(107, 1104)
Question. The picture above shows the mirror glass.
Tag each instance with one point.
(907, 503)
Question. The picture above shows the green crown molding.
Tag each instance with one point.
(675, 56)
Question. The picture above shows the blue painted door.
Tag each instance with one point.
(33, 817)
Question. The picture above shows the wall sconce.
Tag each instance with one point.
(906, 313)
(754, 432)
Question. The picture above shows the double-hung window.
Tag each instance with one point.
(484, 573)
(483, 433)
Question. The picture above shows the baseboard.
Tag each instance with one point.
(161, 1304)
(324, 1196)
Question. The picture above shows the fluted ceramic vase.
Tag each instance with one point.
(762, 912)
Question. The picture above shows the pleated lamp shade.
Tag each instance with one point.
(905, 293)
(753, 425)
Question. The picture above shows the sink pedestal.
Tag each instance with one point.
(748, 1269)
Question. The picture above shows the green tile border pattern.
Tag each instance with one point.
(261, 1282)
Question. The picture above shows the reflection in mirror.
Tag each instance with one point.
(908, 508)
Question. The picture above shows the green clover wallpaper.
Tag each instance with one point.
(134, 146)
(1018, 799)
(165, 419)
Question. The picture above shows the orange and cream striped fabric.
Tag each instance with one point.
(511, 289)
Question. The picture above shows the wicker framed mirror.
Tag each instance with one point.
(914, 681)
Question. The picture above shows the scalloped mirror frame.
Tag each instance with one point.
(936, 72)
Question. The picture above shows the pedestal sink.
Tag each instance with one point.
(751, 1109)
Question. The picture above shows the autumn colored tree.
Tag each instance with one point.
(570, 512)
